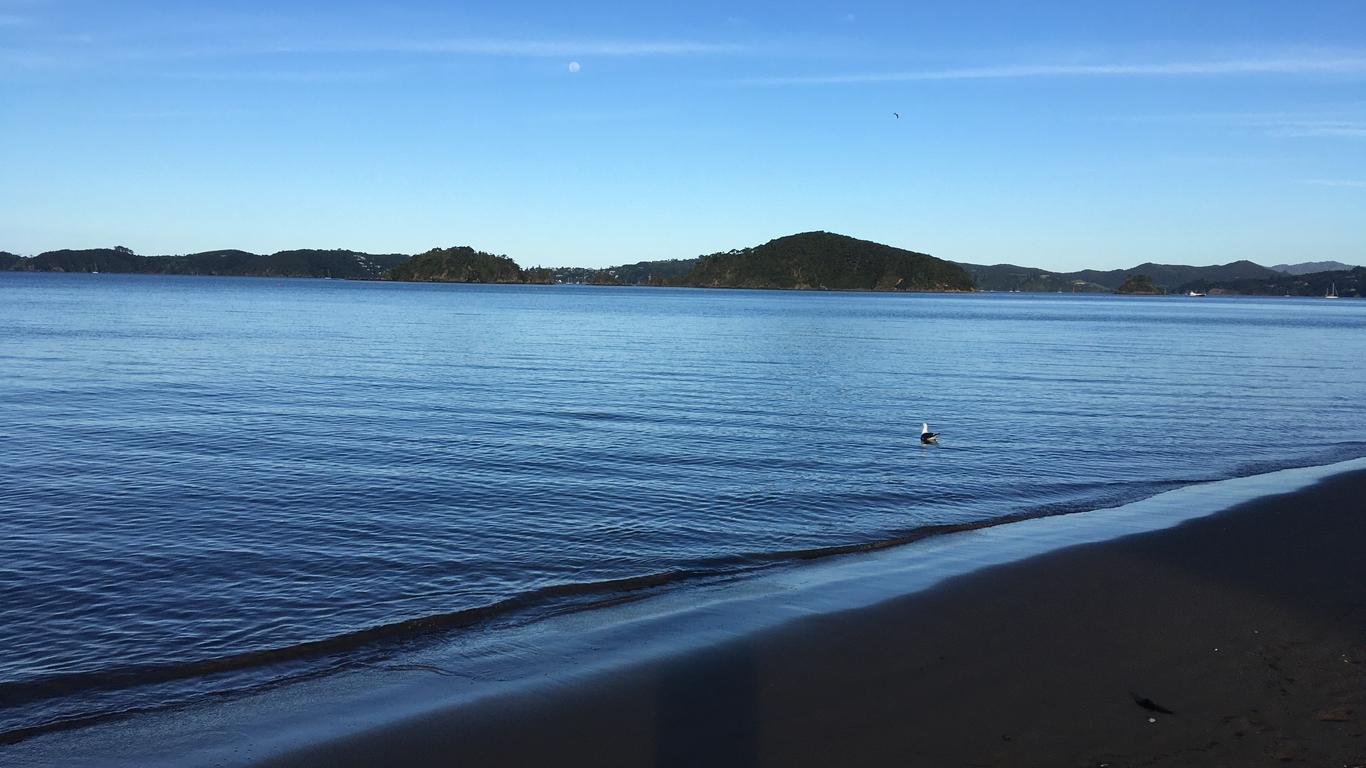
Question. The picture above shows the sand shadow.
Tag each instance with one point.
(707, 711)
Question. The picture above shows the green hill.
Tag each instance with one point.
(810, 260)
(227, 262)
(1311, 267)
(1169, 277)
(306, 262)
(297, 263)
(1139, 284)
(1349, 282)
(663, 272)
(827, 261)
(117, 259)
(1009, 277)
(653, 272)
(335, 263)
(460, 264)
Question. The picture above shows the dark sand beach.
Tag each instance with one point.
(1249, 626)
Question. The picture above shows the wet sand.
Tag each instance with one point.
(1250, 626)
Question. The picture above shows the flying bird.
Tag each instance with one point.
(1149, 704)
(897, 115)
(926, 436)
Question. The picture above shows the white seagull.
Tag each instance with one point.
(926, 436)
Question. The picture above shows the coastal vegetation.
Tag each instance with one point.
(810, 260)
(460, 264)
(1009, 277)
(664, 272)
(1168, 277)
(667, 272)
(1310, 267)
(1347, 282)
(293, 263)
(1139, 284)
(827, 261)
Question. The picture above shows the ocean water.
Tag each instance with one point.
(209, 485)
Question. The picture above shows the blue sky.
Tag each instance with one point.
(1061, 135)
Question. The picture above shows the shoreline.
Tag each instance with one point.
(587, 662)
(935, 291)
(1248, 625)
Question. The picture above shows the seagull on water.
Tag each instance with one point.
(926, 436)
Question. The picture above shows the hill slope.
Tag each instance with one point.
(297, 263)
(460, 264)
(1009, 277)
(824, 260)
(1349, 283)
(117, 259)
(1169, 277)
(1310, 267)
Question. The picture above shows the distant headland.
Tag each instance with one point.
(804, 261)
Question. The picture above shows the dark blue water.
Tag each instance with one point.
(208, 484)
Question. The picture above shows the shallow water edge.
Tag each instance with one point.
(569, 649)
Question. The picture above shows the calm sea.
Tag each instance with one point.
(214, 484)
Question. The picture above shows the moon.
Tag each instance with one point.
(574, 66)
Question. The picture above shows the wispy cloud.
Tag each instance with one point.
(481, 46)
(1352, 65)
(181, 114)
(1340, 122)
(625, 114)
(28, 60)
(556, 48)
(1320, 128)
(263, 52)
(1348, 183)
(284, 76)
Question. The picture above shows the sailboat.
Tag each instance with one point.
(1332, 292)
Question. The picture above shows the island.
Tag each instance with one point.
(827, 261)
(1140, 284)
(805, 261)
(463, 264)
(293, 263)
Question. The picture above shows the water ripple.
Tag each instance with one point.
(213, 484)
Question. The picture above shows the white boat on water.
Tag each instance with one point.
(1332, 292)
(1195, 293)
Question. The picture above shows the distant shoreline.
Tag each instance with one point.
(818, 261)
(1168, 295)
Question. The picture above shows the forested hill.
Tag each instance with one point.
(463, 264)
(1168, 277)
(1010, 277)
(824, 260)
(1347, 282)
(663, 272)
(652, 272)
(1310, 267)
(810, 260)
(295, 263)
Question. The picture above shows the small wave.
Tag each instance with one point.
(609, 591)
(37, 689)
(552, 599)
